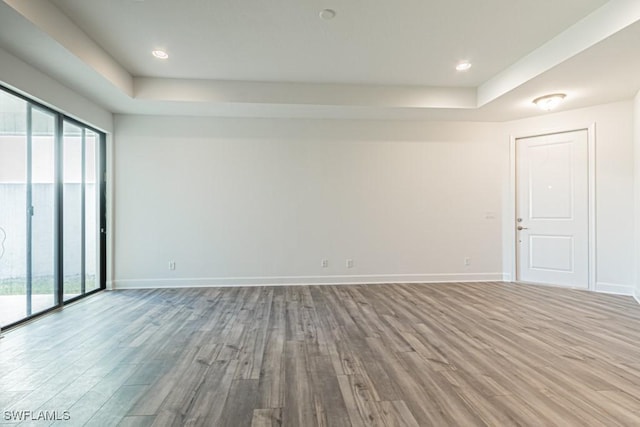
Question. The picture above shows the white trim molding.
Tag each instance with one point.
(304, 280)
(613, 288)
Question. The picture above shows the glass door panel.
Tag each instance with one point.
(91, 209)
(42, 216)
(72, 207)
(13, 204)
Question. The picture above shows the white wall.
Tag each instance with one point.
(615, 257)
(237, 201)
(242, 201)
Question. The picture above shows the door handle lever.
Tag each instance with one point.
(522, 228)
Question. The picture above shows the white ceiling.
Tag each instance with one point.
(406, 42)
(375, 59)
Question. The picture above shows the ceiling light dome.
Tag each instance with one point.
(463, 65)
(327, 14)
(160, 54)
(549, 102)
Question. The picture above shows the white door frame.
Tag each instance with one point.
(511, 218)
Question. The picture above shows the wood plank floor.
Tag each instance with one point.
(384, 355)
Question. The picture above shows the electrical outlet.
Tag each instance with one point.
(172, 265)
(467, 261)
(349, 263)
(324, 263)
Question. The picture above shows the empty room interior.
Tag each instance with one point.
(240, 213)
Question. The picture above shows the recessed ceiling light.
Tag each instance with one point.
(327, 14)
(463, 65)
(161, 54)
(549, 102)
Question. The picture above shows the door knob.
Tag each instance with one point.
(522, 228)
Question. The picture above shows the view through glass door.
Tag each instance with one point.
(13, 202)
(50, 209)
(80, 227)
(40, 209)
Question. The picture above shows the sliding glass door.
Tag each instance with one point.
(41, 177)
(13, 202)
(72, 207)
(91, 221)
(51, 209)
(81, 229)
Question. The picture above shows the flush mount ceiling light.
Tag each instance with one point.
(327, 14)
(463, 65)
(549, 102)
(160, 54)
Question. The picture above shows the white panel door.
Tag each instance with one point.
(552, 215)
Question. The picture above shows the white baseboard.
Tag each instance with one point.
(304, 280)
(612, 288)
(636, 296)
